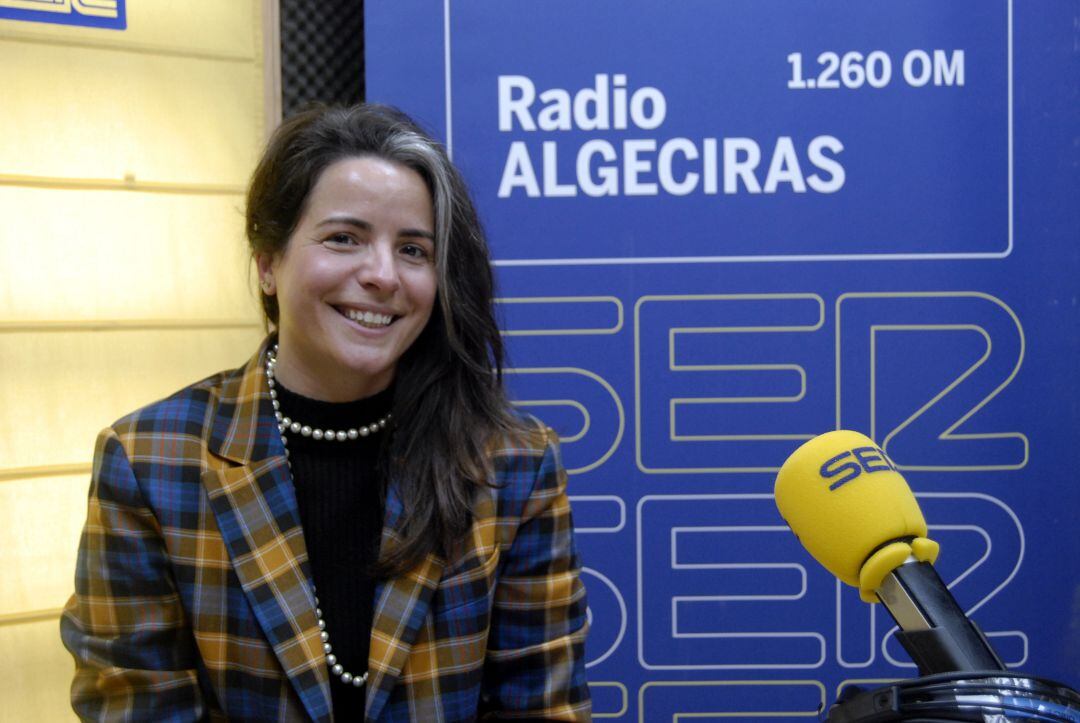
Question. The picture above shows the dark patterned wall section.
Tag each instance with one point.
(322, 52)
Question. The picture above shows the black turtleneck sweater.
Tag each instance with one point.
(339, 492)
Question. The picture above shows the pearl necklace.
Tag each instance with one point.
(286, 424)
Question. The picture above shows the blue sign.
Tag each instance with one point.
(859, 130)
(111, 14)
(722, 227)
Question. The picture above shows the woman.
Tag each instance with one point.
(355, 523)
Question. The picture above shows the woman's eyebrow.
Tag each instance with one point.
(347, 220)
(366, 226)
(417, 232)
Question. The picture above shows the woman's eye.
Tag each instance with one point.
(415, 251)
(341, 239)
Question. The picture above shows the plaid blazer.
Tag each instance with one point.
(193, 595)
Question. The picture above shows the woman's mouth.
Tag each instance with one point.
(369, 319)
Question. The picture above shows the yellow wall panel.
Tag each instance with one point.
(41, 519)
(58, 389)
(215, 27)
(120, 255)
(34, 684)
(75, 112)
(123, 158)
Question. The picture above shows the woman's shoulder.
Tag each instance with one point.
(185, 409)
(529, 477)
(526, 457)
(526, 435)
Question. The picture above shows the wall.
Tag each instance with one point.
(123, 159)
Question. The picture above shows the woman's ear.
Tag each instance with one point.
(264, 263)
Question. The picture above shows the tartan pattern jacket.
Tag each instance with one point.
(193, 595)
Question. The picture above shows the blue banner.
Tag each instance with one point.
(722, 227)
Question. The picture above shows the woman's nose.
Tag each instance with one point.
(378, 269)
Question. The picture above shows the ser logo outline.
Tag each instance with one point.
(856, 461)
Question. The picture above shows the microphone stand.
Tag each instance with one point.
(934, 630)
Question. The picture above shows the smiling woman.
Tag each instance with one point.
(356, 282)
(355, 523)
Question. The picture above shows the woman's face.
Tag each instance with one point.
(356, 283)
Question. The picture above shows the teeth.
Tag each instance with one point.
(368, 318)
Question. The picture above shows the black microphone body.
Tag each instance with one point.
(934, 630)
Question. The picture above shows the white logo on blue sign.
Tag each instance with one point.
(111, 14)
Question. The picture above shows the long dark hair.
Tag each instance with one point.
(448, 399)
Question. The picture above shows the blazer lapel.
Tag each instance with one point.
(254, 502)
(401, 606)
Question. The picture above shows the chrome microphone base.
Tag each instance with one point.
(969, 696)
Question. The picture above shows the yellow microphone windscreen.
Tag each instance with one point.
(844, 500)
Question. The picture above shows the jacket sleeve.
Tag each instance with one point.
(535, 666)
(135, 657)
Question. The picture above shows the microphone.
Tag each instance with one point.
(855, 514)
